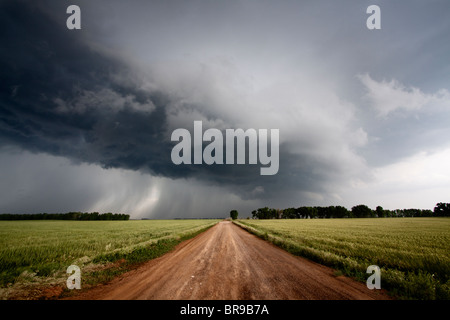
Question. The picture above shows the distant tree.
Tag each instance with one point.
(321, 212)
(301, 212)
(279, 213)
(267, 213)
(361, 211)
(66, 216)
(234, 214)
(442, 209)
(289, 213)
(427, 213)
(263, 213)
(273, 214)
(307, 212)
(380, 212)
(340, 212)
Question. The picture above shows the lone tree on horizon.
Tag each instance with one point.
(234, 214)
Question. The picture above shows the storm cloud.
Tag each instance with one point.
(61, 97)
(107, 97)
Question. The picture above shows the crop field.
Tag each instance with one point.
(412, 253)
(34, 252)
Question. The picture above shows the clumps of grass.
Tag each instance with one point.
(140, 254)
(416, 284)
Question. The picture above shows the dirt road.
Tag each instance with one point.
(228, 263)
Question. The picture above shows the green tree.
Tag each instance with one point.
(361, 211)
(263, 213)
(234, 214)
(273, 214)
(307, 212)
(340, 212)
(442, 209)
(380, 212)
(289, 213)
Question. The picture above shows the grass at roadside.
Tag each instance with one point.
(36, 254)
(412, 253)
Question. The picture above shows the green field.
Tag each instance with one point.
(37, 252)
(412, 253)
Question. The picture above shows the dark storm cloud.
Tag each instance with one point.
(51, 83)
(60, 96)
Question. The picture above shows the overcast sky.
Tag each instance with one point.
(86, 116)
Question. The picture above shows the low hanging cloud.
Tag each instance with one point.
(38, 182)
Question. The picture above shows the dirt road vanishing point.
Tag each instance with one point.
(228, 263)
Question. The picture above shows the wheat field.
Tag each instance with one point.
(46, 248)
(412, 253)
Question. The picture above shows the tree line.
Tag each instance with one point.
(84, 216)
(360, 211)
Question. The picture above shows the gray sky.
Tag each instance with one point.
(86, 115)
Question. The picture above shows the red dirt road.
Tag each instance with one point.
(228, 263)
